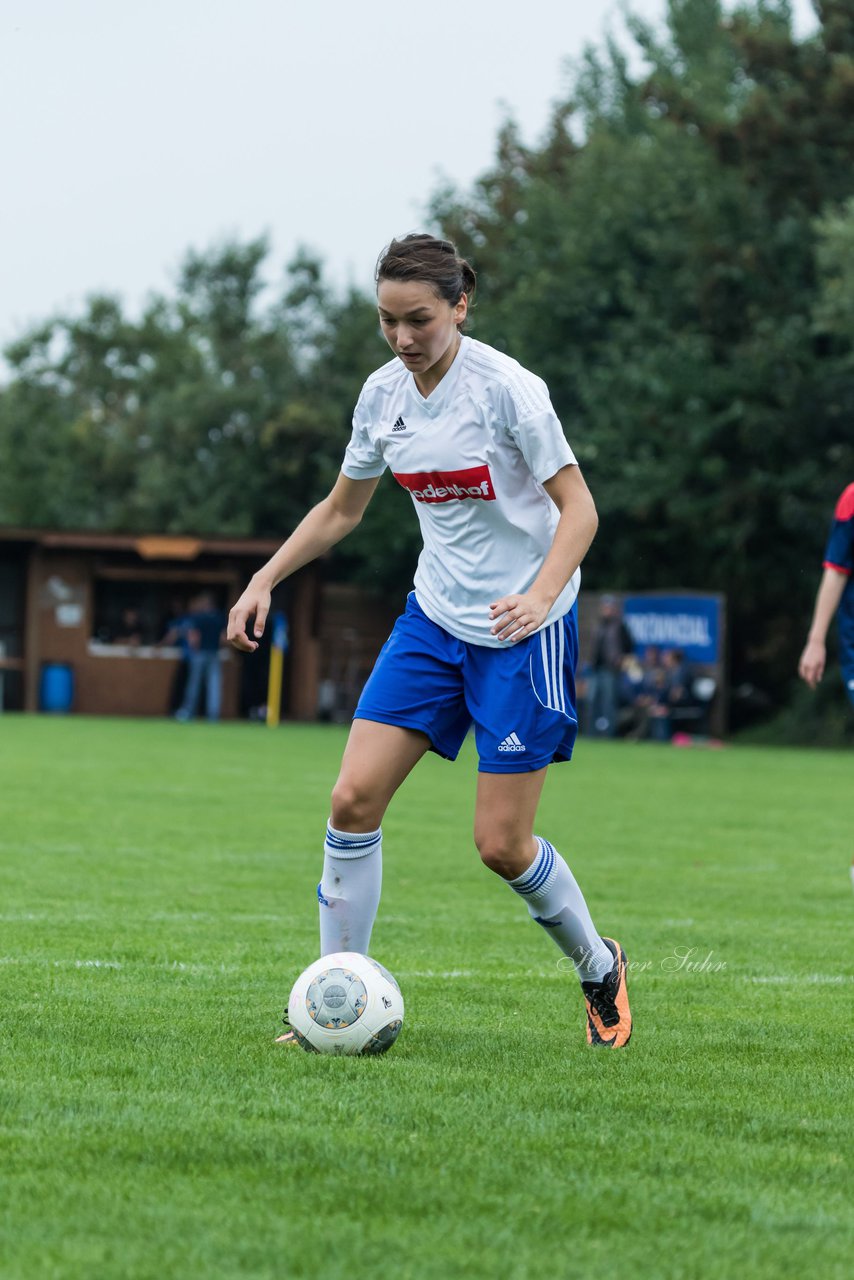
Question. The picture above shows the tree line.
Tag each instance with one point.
(675, 258)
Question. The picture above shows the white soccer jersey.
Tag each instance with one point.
(473, 455)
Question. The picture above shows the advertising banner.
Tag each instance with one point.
(687, 622)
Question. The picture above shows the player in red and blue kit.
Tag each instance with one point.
(835, 596)
(488, 638)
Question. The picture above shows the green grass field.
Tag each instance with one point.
(157, 900)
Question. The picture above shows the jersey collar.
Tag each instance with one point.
(433, 404)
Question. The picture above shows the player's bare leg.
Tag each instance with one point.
(504, 821)
(377, 759)
(505, 810)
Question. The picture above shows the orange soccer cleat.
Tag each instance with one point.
(609, 1019)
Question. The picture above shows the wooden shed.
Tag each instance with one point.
(99, 605)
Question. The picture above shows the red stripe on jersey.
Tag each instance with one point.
(845, 505)
(828, 564)
(448, 486)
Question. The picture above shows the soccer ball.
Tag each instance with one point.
(346, 1003)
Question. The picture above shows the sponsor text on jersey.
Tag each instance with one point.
(448, 486)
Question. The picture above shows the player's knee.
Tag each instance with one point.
(354, 808)
(500, 851)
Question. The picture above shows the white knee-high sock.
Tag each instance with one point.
(349, 889)
(556, 902)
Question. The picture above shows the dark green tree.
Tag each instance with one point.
(656, 261)
(210, 414)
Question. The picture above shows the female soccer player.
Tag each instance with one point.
(489, 634)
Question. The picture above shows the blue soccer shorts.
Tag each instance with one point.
(520, 699)
(848, 674)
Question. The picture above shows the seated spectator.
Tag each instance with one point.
(631, 715)
(648, 693)
(674, 692)
(679, 679)
(130, 630)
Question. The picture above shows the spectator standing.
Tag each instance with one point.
(177, 635)
(612, 643)
(206, 633)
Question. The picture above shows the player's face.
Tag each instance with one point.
(420, 327)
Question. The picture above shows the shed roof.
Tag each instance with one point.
(148, 546)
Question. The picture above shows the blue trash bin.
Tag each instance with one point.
(56, 693)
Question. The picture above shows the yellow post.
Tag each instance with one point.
(277, 661)
(274, 687)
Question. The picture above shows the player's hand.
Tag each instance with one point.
(811, 665)
(255, 602)
(514, 618)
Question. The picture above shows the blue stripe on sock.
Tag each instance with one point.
(540, 871)
(352, 845)
(545, 870)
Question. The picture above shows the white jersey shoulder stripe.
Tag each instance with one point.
(528, 392)
(388, 375)
(382, 385)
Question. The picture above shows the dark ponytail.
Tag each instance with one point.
(433, 261)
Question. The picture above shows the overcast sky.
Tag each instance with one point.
(135, 129)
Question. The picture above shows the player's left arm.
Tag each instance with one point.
(814, 657)
(517, 616)
(838, 568)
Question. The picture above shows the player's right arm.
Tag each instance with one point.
(327, 523)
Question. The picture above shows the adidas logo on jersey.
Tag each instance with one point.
(511, 743)
(400, 425)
